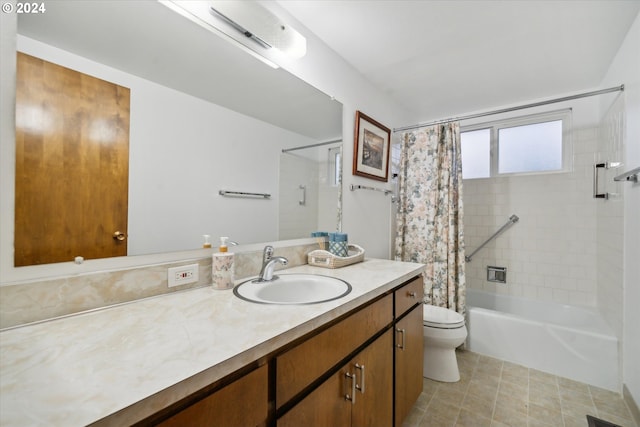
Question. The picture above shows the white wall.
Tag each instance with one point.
(367, 215)
(626, 69)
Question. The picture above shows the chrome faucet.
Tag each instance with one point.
(268, 264)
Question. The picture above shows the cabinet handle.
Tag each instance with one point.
(352, 396)
(360, 387)
(401, 346)
(412, 294)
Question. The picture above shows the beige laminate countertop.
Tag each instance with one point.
(118, 365)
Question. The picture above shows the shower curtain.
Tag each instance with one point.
(429, 222)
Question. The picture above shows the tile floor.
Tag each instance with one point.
(493, 393)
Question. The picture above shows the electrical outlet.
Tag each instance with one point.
(183, 275)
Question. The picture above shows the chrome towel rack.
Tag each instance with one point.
(243, 194)
(512, 220)
(353, 187)
(631, 176)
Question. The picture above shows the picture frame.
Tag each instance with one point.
(371, 147)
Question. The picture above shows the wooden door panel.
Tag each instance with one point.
(241, 403)
(325, 406)
(374, 407)
(72, 164)
(409, 363)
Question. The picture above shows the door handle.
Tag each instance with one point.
(119, 236)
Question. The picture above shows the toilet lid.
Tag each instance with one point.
(440, 317)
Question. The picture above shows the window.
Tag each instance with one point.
(525, 145)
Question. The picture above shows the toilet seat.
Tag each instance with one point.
(441, 318)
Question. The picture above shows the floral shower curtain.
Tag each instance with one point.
(429, 222)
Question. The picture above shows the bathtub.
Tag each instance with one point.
(571, 342)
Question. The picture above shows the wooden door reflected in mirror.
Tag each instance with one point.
(72, 164)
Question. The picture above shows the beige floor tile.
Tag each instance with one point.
(440, 414)
(509, 416)
(519, 391)
(480, 406)
(613, 406)
(492, 393)
(520, 405)
(522, 380)
(449, 396)
(486, 378)
(514, 369)
(546, 401)
(574, 421)
(570, 396)
(414, 417)
(572, 386)
(483, 391)
(543, 377)
(576, 410)
(468, 418)
(544, 415)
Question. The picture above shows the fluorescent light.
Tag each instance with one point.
(192, 11)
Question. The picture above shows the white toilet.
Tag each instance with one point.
(444, 330)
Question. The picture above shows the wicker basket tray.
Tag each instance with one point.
(322, 258)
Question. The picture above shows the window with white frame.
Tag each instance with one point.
(533, 144)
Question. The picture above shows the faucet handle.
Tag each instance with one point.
(267, 253)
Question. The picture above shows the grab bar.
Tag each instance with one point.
(512, 220)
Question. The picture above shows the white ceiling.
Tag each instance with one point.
(444, 58)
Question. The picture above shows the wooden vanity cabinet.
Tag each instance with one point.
(409, 350)
(364, 369)
(358, 394)
(244, 402)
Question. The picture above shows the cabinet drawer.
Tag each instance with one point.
(408, 295)
(300, 366)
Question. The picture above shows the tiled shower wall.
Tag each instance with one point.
(551, 252)
(610, 217)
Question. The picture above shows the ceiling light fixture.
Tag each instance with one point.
(197, 11)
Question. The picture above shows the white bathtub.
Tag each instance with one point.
(567, 341)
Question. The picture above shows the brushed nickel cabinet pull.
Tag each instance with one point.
(401, 346)
(360, 387)
(352, 396)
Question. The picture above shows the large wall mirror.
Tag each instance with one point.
(205, 117)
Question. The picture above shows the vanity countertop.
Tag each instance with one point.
(117, 365)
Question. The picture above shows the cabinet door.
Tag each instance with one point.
(242, 403)
(374, 405)
(325, 406)
(409, 359)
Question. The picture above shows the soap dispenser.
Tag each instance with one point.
(222, 267)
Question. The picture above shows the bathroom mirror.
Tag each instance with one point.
(205, 117)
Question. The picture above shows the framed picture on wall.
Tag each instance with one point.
(371, 148)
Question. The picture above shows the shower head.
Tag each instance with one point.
(514, 218)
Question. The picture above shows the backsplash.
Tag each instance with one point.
(46, 299)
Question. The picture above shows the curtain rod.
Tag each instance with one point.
(519, 107)
(320, 144)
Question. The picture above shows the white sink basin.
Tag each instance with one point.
(293, 289)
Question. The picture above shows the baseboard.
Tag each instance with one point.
(633, 406)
